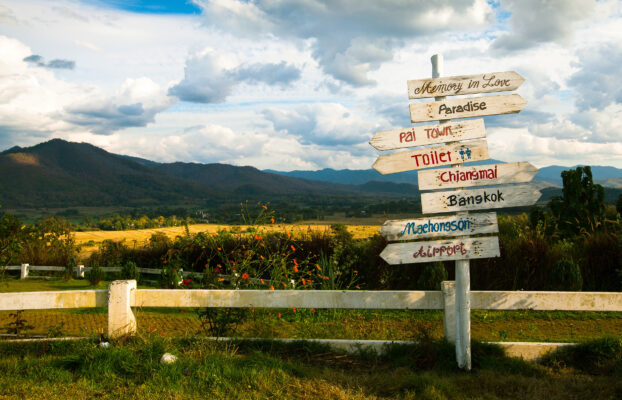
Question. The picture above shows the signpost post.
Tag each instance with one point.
(454, 153)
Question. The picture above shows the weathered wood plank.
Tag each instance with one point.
(479, 175)
(428, 134)
(453, 225)
(359, 299)
(51, 300)
(466, 108)
(464, 84)
(479, 199)
(441, 250)
(432, 157)
(567, 301)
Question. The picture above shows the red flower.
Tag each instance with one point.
(245, 276)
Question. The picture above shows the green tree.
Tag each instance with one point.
(11, 237)
(581, 208)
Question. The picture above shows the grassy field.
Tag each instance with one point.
(141, 235)
(271, 370)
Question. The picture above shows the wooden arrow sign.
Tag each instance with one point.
(455, 153)
(453, 225)
(441, 250)
(479, 199)
(464, 84)
(465, 108)
(428, 134)
(480, 175)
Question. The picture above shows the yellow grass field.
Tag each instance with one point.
(140, 236)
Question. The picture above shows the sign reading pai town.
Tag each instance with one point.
(428, 134)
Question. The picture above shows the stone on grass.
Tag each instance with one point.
(168, 358)
(104, 345)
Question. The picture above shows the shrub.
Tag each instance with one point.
(566, 275)
(70, 266)
(170, 277)
(95, 275)
(432, 276)
(130, 271)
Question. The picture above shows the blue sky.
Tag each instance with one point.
(303, 84)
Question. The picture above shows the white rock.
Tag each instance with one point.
(168, 358)
(104, 345)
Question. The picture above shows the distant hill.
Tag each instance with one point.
(61, 174)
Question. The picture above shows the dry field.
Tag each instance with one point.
(140, 236)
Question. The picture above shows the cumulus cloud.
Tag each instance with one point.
(208, 78)
(321, 124)
(135, 104)
(534, 22)
(349, 38)
(53, 64)
(597, 83)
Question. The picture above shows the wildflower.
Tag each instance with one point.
(295, 268)
(257, 237)
(294, 309)
(355, 271)
(271, 287)
(284, 285)
(245, 276)
(295, 262)
(357, 286)
(244, 246)
(262, 245)
(289, 235)
(151, 329)
(272, 220)
(279, 315)
(303, 281)
(202, 247)
(292, 247)
(318, 267)
(262, 282)
(219, 249)
(313, 310)
(326, 278)
(261, 257)
(221, 279)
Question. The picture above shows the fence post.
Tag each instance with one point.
(80, 271)
(121, 320)
(24, 271)
(449, 315)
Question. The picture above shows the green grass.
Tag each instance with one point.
(258, 370)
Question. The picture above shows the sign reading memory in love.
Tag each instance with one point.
(465, 84)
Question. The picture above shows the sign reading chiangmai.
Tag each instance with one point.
(455, 153)
(479, 175)
(428, 134)
(441, 250)
(464, 84)
(465, 108)
(453, 225)
(479, 199)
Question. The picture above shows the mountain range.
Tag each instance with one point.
(58, 174)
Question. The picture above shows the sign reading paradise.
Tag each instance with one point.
(441, 250)
(453, 225)
(428, 134)
(479, 175)
(479, 199)
(432, 157)
(465, 108)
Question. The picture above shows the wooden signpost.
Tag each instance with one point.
(456, 153)
(479, 175)
(465, 84)
(441, 250)
(465, 108)
(479, 199)
(460, 226)
(428, 134)
(453, 225)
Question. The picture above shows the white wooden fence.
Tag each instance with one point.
(123, 295)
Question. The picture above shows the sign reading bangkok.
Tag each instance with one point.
(479, 199)
(455, 153)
